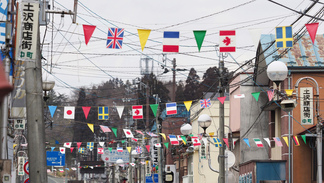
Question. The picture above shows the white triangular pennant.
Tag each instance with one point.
(255, 35)
(120, 110)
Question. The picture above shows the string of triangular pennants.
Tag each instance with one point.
(284, 37)
(176, 139)
(137, 110)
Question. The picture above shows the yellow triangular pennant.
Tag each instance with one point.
(143, 35)
(286, 140)
(211, 134)
(163, 135)
(289, 92)
(129, 149)
(14, 145)
(187, 104)
(91, 127)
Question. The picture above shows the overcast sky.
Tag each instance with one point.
(75, 64)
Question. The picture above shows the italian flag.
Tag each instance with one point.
(258, 142)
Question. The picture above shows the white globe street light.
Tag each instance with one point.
(186, 129)
(277, 72)
(204, 121)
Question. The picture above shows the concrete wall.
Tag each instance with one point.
(253, 124)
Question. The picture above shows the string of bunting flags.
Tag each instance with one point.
(171, 39)
(176, 140)
(137, 110)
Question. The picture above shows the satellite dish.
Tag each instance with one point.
(230, 159)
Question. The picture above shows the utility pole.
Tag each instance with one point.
(174, 79)
(158, 130)
(221, 178)
(35, 119)
(34, 90)
(4, 106)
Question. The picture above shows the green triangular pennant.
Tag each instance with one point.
(256, 95)
(123, 141)
(114, 129)
(110, 149)
(154, 108)
(191, 135)
(304, 138)
(200, 36)
(184, 139)
(166, 144)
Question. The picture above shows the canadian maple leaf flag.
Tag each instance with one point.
(137, 111)
(227, 41)
(128, 133)
(62, 150)
(195, 141)
(100, 151)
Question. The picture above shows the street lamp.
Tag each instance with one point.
(47, 86)
(186, 129)
(277, 72)
(204, 122)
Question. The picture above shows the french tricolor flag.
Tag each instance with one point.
(171, 41)
(171, 108)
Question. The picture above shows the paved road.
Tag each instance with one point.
(55, 179)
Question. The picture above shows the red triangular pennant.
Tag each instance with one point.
(86, 111)
(79, 144)
(226, 141)
(71, 148)
(88, 31)
(312, 29)
(148, 148)
(221, 99)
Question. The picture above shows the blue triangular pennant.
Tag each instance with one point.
(52, 148)
(246, 140)
(52, 109)
(57, 142)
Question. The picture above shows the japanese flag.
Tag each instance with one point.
(67, 144)
(62, 150)
(100, 151)
(157, 145)
(128, 133)
(69, 112)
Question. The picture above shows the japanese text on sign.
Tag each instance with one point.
(29, 31)
(306, 105)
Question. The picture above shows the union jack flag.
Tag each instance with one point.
(115, 38)
(138, 149)
(205, 103)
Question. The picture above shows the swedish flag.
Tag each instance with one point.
(217, 142)
(90, 145)
(103, 113)
(284, 37)
(81, 150)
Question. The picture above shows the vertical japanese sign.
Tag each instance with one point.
(306, 106)
(148, 168)
(21, 162)
(29, 30)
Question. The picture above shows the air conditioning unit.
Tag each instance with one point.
(187, 179)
